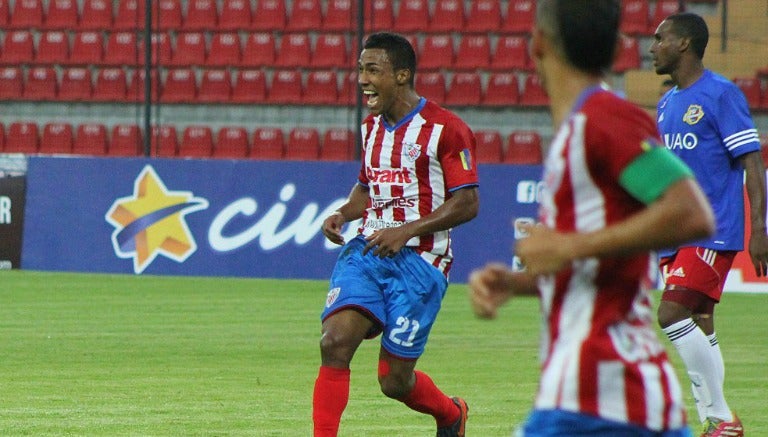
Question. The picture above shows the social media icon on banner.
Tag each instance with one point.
(527, 191)
(519, 224)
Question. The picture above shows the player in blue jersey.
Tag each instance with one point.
(705, 120)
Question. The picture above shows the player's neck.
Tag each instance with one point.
(403, 106)
(564, 90)
(687, 74)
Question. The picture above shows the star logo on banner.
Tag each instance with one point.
(151, 222)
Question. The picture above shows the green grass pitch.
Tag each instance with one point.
(119, 355)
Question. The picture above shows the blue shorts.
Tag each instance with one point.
(550, 423)
(401, 294)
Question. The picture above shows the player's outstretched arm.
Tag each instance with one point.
(681, 214)
(491, 286)
(351, 210)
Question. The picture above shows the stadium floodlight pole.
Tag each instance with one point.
(358, 95)
(147, 77)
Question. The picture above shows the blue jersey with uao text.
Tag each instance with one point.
(708, 125)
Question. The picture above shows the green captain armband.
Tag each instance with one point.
(651, 173)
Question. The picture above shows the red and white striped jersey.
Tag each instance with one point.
(410, 170)
(601, 355)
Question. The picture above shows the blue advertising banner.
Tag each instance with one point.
(227, 218)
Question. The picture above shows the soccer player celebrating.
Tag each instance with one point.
(418, 180)
(611, 195)
(705, 121)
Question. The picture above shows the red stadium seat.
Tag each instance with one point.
(349, 88)
(295, 50)
(330, 51)
(503, 90)
(52, 48)
(190, 49)
(250, 87)
(215, 87)
(126, 140)
(162, 50)
(378, 15)
(305, 15)
(56, 138)
(465, 89)
(137, 86)
(11, 83)
(122, 49)
(523, 147)
(168, 15)
(111, 85)
(269, 15)
(259, 50)
(129, 15)
(268, 143)
(231, 142)
(76, 84)
(5, 13)
(751, 88)
(484, 16)
(474, 52)
(519, 17)
(339, 16)
(448, 16)
(286, 87)
(490, 146)
(27, 14)
(533, 92)
(412, 16)
(180, 86)
(225, 50)
(235, 15)
(635, 15)
(201, 15)
(628, 56)
(164, 141)
(664, 8)
(96, 15)
(437, 52)
(22, 137)
(90, 139)
(41, 84)
(322, 88)
(18, 48)
(303, 144)
(431, 86)
(511, 53)
(87, 48)
(196, 142)
(338, 145)
(61, 15)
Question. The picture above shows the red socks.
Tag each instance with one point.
(329, 400)
(428, 399)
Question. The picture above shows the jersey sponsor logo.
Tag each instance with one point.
(693, 115)
(400, 202)
(382, 224)
(687, 141)
(401, 176)
(411, 151)
(151, 221)
(333, 294)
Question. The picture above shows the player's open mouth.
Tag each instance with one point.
(373, 98)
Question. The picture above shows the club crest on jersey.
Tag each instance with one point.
(693, 115)
(411, 151)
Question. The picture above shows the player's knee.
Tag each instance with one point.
(393, 387)
(336, 348)
(669, 314)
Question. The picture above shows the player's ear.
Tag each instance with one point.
(403, 76)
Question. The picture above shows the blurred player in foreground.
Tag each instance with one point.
(705, 121)
(418, 180)
(611, 196)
